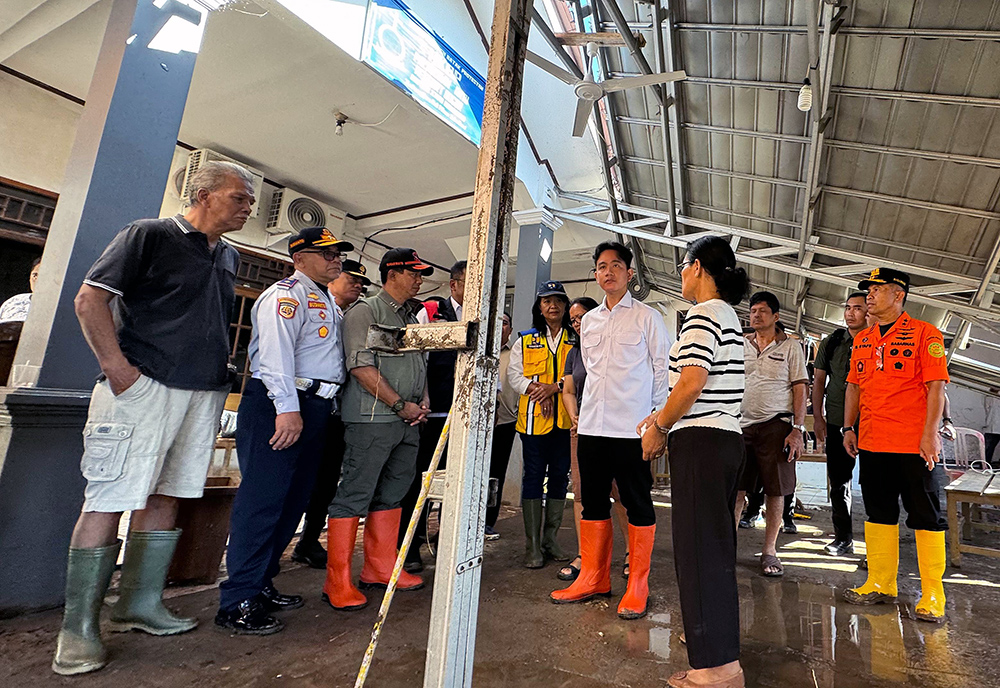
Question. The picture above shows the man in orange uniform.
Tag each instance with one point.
(897, 378)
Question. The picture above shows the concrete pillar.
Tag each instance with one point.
(117, 171)
(534, 261)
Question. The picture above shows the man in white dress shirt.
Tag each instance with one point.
(625, 347)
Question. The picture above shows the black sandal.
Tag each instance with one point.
(569, 572)
(625, 567)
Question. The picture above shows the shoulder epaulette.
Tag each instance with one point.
(532, 331)
(288, 282)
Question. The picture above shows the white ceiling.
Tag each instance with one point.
(265, 88)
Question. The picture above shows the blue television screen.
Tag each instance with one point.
(406, 52)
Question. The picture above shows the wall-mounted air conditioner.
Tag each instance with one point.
(292, 211)
(201, 156)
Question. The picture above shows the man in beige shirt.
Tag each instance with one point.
(773, 422)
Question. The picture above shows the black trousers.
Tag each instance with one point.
(885, 478)
(327, 478)
(429, 435)
(606, 459)
(503, 442)
(705, 468)
(992, 440)
(839, 471)
(273, 493)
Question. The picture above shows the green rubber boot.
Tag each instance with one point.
(88, 574)
(553, 521)
(531, 510)
(144, 573)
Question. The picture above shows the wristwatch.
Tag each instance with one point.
(398, 406)
(800, 428)
(845, 429)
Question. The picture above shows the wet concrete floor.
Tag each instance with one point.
(796, 630)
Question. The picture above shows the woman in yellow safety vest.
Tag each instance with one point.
(537, 362)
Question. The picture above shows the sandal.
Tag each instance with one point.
(569, 572)
(769, 561)
(625, 567)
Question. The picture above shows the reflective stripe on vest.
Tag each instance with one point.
(541, 365)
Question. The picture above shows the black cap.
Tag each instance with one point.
(405, 258)
(551, 288)
(886, 276)
(356, 269)
(316, 237)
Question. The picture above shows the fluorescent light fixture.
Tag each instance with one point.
(180, 33)
(342, 22)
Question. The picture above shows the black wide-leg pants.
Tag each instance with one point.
(705, 468)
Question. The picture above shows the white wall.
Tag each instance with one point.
(36, 133)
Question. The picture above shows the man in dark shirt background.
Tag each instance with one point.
(833, 362)
(154, 414)
(441, 387)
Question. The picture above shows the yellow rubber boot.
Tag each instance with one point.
(882, 543)
(931, 558)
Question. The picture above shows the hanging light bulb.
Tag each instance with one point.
(805, 97)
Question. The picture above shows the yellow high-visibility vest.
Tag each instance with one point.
(544, 366)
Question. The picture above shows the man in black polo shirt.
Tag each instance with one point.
(154, 413)
(833, 363)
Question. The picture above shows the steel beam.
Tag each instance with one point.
(849, 91)
(982, 297)
(662, 96)
(885, 31)
(829, 143)
(733, 174)
(913, 202)
(777, 240)
(452, 635)
(819, 116)
(794, 269)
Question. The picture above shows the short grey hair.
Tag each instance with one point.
(214, 175)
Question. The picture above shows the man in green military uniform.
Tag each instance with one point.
(385, 400)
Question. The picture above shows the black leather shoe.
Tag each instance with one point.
(839, 548)
(311, 554)
(250, 617)
(274, 601)
(413, 563)
(789, 528)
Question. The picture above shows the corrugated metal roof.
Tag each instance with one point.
(909, 167)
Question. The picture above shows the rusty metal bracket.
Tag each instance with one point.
(445, 336)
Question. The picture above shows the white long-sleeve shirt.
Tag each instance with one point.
(625, 351)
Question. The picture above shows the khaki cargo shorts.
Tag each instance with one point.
(150, 439)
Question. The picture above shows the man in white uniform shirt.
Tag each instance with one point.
(625, 348)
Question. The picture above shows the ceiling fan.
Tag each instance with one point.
(588, 91)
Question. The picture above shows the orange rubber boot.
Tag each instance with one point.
(595, 564)
(338, 590)
(381, 534)
(640, 550)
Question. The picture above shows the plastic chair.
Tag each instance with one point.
(969, 451)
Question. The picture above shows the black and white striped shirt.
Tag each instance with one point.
(711, 337)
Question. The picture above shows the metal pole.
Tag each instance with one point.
(411, 529)
(452, 634)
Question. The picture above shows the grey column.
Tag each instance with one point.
(117, 172)
(534, 267)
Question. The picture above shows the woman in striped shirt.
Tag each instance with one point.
(701, 417)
